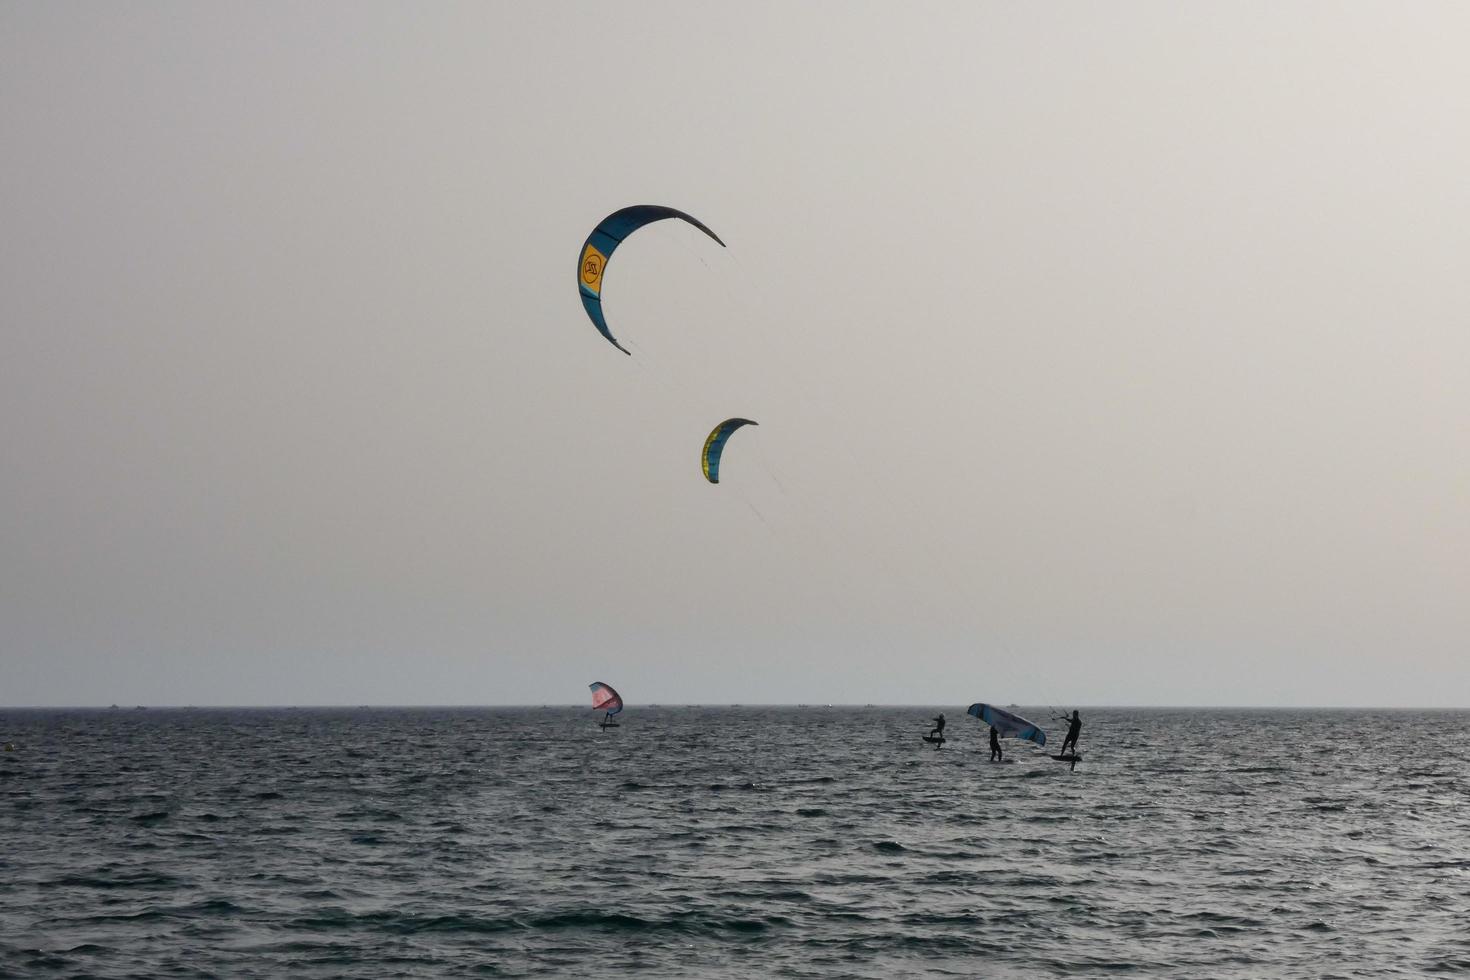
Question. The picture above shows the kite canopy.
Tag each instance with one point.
(604, 698)
(714, 446)
(1009, 725)
(599, 246)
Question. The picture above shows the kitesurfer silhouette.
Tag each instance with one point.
(996, 755)
(1073, 730)
(938, 728)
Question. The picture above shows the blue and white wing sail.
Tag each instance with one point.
(1009, 725)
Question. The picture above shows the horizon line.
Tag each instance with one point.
(736, 704)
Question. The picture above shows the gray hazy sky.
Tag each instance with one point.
(1103, 353)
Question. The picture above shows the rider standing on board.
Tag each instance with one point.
(1073, 730)
(938, 728)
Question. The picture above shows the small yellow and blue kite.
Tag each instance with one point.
(714, 446)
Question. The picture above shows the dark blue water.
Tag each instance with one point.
(732, 842)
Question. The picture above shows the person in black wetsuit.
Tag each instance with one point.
(1073, 730)
(938, 728)
(996, 755)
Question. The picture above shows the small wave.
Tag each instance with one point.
(952, 855)
(457, 923)
(695, 922)
(332, 918)
(375, 815)
(805, 811)
(214, 906)
(144, 879)
(281, 829)
(575, 920)
(590, 920)
(947, 945)
(851, 879)
(1222, 919)
(1456, 967)
(40, 960)
(781, 895)
(155, 913)
(965, 919)
(890, 847)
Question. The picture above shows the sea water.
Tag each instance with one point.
(731, 842)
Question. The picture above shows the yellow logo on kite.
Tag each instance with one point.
(592, 265)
